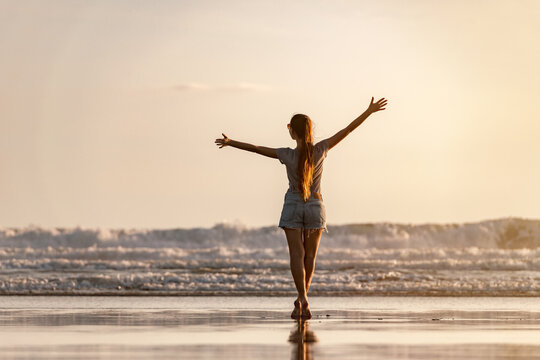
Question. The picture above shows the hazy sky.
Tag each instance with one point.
(109, 109)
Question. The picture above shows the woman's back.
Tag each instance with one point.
(289, 157)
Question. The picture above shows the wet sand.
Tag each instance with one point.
(86, 327)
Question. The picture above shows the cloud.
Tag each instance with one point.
(234, 87)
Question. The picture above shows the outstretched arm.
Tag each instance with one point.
(340, 135)
(266, 151)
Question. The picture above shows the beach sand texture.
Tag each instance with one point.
(106, 327)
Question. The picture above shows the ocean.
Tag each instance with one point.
(498, 257)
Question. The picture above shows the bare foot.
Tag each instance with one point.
(306, 312)
(297, 310)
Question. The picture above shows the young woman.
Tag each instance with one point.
(303, 216)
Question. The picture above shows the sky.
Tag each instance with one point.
(109, 110)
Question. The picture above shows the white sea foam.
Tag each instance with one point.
(496, 257)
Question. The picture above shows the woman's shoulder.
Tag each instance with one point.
(321, 145)
(284, 154)
(285, 149)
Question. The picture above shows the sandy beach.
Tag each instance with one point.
(106, 327)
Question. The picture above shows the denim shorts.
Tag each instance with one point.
(299, 214)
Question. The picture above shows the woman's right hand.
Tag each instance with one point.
(223, 142)
(379, 105)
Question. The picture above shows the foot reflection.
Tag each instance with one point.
(304, 339)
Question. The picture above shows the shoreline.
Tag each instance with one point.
(485, 294)
(227, 327)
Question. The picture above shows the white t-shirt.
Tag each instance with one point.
(289, 157)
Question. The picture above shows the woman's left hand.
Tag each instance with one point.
(378, 106)
(223, 142)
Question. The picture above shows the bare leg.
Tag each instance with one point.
(296, 253)
(311, 245)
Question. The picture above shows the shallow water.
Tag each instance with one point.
(259, 327)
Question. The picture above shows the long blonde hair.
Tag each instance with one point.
(301, 125)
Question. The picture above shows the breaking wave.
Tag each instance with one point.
(489, 258)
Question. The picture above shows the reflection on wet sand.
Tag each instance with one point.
(201, 328)
(303, 338)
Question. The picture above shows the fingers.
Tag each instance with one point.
(382, 103)
(223, 142)
(379, 105)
